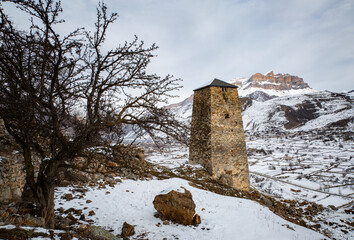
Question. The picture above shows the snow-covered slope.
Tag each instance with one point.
(222, 217)
(300, 112)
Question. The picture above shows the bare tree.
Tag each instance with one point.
(60, 95)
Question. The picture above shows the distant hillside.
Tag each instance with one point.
(302, 112)
(282, 103)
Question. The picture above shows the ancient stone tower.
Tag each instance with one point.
(217, 137)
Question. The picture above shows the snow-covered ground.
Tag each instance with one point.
(222, 217)
(317, 169)
(297, 166)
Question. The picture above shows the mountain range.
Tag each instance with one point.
(282, 102)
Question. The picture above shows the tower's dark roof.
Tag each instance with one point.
(216, 83)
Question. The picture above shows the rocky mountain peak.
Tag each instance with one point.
(270, 80)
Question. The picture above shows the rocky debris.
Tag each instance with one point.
(99, 233)
(127, 230)
(176, 206)
(124, 161)
(18, 233)
(7, 217)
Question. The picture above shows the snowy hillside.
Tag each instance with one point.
(262, 112)
(303, 112)
(300, 112)
(222, 217)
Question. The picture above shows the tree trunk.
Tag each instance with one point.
(45, 200)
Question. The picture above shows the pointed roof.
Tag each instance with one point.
(216, 83)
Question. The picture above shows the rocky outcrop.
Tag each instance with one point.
(277, 81)
(270, 80)
(177, 207)
(124, 161)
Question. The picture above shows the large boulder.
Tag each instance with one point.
(178, 207)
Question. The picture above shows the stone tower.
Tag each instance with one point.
(217, 137)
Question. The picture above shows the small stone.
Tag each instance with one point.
(72, 219)
(196, 219)
(166, 222)
(88, 201)
(91, 213)
(83, 227)
(127, 230)
(61, 210)
(62, 224)
(68, 197)
(333, 207)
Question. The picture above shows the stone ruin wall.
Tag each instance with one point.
(12, 178)
(217, 136)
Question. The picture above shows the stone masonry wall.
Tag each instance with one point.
(200, 142)
(217, 136)
(229, 154)
(12, 177)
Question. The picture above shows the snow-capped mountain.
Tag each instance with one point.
(301, 112)
(288, 106)
(282, 102)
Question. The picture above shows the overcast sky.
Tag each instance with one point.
(201, 40)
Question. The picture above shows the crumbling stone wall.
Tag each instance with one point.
(12, 177)
(217, 136)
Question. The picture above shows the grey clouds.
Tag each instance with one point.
(203, 39)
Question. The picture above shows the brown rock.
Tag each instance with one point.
(91, 213)
(196, 219)
(175, 206)
(112, 164)
(71, 219)
(68, 197)
(127, 230)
